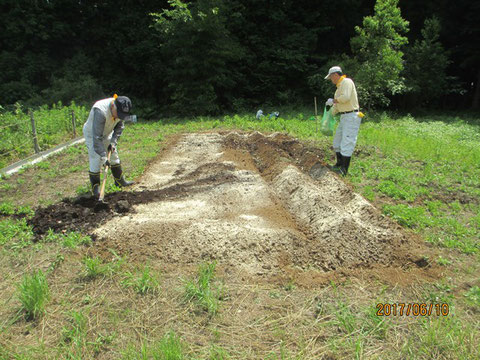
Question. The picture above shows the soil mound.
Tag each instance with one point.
(259, 203)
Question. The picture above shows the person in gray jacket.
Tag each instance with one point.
(102, 130)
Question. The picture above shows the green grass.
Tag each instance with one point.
(218, 353)
(170, 347)
(473, 296)
(203, 291)
(54, 125)
(15, 234)
(8, 208)
(33, 293)
(441, 338)
(75, 333)
(69, 240)
(143, 281)
(94, 268)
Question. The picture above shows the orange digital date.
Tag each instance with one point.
(414, 309)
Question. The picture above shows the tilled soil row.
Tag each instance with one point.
(343, 229)
(263, 204)
(80, 214)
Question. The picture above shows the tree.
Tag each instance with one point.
(378, 55)
(199, 53)
(426, 65)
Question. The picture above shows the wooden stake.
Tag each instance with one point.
(316, 119)
(74, 125)
(34, 133)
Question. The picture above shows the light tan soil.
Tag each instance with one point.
(260, 205)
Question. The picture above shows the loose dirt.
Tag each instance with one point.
(262, 205)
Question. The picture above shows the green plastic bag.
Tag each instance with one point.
(328, 122)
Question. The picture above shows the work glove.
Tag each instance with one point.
(105, 161)
(329, 102)
(112, 147)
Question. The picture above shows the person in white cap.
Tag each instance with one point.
(102, 130)
(345, 103)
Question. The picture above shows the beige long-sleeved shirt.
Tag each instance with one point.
(346, 95)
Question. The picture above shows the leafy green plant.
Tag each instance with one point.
(441, 337)
(442, 261)
(53, 127)
(34, 294)
(378, 46)
(290, 285)
(410, 216)
(76, 332)
(473, 295)
(56, 263)
(15, 233)
(218, 353)
(74, 336)
(345, 317)
(7, 208)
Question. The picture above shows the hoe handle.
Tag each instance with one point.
(102, 190)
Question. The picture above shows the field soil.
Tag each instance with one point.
(262, 206)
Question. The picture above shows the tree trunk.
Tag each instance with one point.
(476, 94)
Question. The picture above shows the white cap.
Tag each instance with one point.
(332, 70)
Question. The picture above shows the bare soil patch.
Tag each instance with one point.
(262, 205)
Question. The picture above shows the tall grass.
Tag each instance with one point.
(144, 281)
(34, 294)
(170, 347)
(54, 126)
(203, 291)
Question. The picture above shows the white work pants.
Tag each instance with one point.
(95, 160)
(345, 137)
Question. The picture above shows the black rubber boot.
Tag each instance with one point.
(345, 165)
(339, 160)
(119, 178)
(95, 181)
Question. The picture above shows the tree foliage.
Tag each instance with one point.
(198, 54)
(377, 48)
(426, 65)
(210, 56)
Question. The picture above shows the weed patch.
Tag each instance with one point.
(15, 234)
(70, 240)
(34, 294)
(143, 281)
(202, 291)
(94, 268)
(170, 347)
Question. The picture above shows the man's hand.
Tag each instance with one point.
(329, 102)
(105, 161)
(112, 147)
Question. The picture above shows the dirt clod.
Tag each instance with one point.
(122, 207)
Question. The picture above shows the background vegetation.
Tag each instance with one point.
(212, 56)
